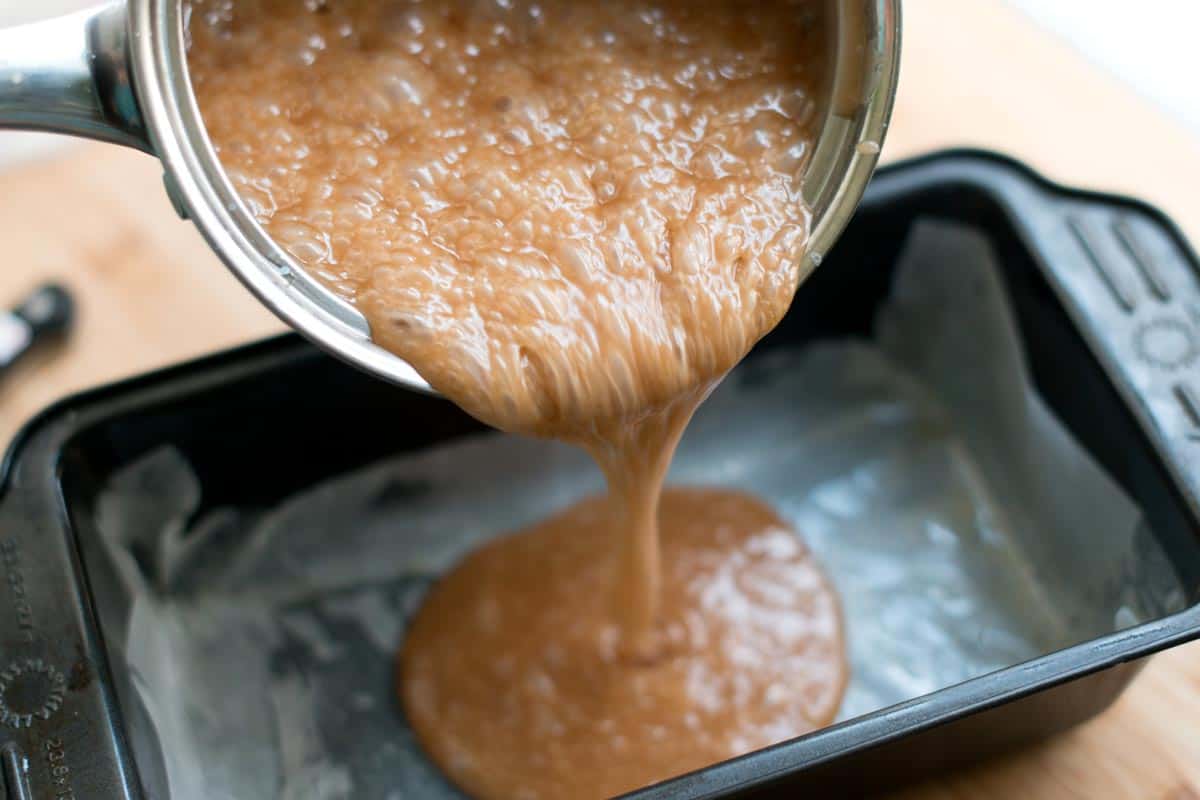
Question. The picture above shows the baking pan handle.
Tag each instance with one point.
(1132, 284)
(60, 735)
(1128, 280)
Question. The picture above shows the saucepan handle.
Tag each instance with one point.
(71, 74)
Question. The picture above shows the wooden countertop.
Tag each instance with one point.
(974, 73)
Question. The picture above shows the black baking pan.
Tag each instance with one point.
(1107, 296)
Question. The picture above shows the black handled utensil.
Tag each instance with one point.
(45, 316)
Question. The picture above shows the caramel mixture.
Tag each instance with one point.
(572, 217)
(525, 693)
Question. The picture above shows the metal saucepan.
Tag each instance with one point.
(118, 73)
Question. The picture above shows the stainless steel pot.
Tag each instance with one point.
(118, 73)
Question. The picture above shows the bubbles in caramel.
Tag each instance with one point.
(559, 212)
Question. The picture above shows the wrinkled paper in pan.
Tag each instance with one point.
(964, 528)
